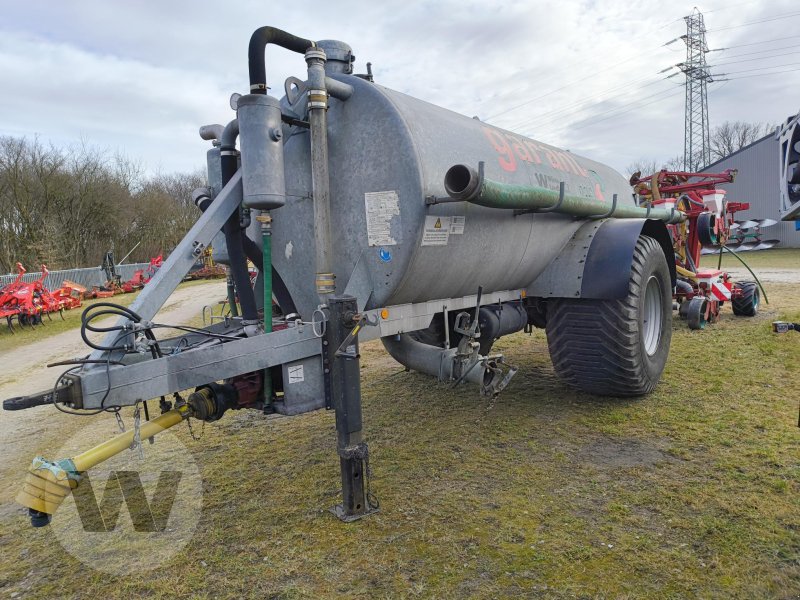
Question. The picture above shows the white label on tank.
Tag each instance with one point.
(288, 251)
(296, 374)
(437, 231)
(382, 209)
(457, 225)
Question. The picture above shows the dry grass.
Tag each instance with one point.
(691, 492)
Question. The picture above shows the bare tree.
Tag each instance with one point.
(647, 166)
(67, 207)
(735, 135)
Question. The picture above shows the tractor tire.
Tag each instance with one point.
(747, 304)
(616, 347)
(696, 313)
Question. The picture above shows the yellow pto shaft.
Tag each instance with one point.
(48, 483)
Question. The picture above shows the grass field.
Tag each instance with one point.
(691, 492)
(776, 258)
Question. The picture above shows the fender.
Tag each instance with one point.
(596, 262)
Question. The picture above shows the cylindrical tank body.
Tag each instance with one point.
(388, 152)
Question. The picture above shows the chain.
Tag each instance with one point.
(137, 434)
(372, 500)
(191, 431)
(120, 422)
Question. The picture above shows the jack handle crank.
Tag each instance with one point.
(362, 320)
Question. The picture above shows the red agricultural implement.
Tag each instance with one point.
(28, 301)
(709, 225)
(70, 294)
(8, 300)
(143, 276)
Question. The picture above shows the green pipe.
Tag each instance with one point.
(266, 273)
(464, 183)
(746, 266)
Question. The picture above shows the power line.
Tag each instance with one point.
(762, 74)
(590, 123)
(761, 69)
(775, 18)
(565, 86)
(736, 62)
(762, 51)
(790, 37)
(633, 104)
(546, 118)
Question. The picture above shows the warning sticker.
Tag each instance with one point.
(457, 225)
(295, 373)
(437, 231)
(383, 218)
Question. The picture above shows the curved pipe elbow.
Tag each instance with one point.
(255, 53)
(228, 135)
(211, 132)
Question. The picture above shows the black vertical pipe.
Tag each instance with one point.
(233, 240)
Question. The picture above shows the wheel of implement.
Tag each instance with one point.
(705, 230)
(746, 305)
(616, 347)
(696, 313)
(683, 309)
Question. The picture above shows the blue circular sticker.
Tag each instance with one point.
(384, 254)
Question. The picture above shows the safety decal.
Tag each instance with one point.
(383, 218)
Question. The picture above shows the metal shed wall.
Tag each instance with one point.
(85, 277)
(758, 184)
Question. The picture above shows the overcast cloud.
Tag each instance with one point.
(140, 77)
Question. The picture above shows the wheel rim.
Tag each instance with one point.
(653, 315)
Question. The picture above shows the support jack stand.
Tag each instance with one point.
(345, 387)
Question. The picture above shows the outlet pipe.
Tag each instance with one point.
(462, 182)
(428, 359)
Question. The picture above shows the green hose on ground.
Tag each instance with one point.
(746, 266)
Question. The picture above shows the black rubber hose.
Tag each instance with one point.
(684, 287)
(233, 240)
(279, 289)
(256, 61)
(253, 252)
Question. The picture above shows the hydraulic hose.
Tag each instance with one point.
(746, 266)
(256, 61)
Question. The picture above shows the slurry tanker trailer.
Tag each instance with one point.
(371, 214)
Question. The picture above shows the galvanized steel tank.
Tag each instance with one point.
(388, 152)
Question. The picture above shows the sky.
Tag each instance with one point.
(138, 78)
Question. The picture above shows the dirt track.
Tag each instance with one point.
(767, 275)
(41, 429)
